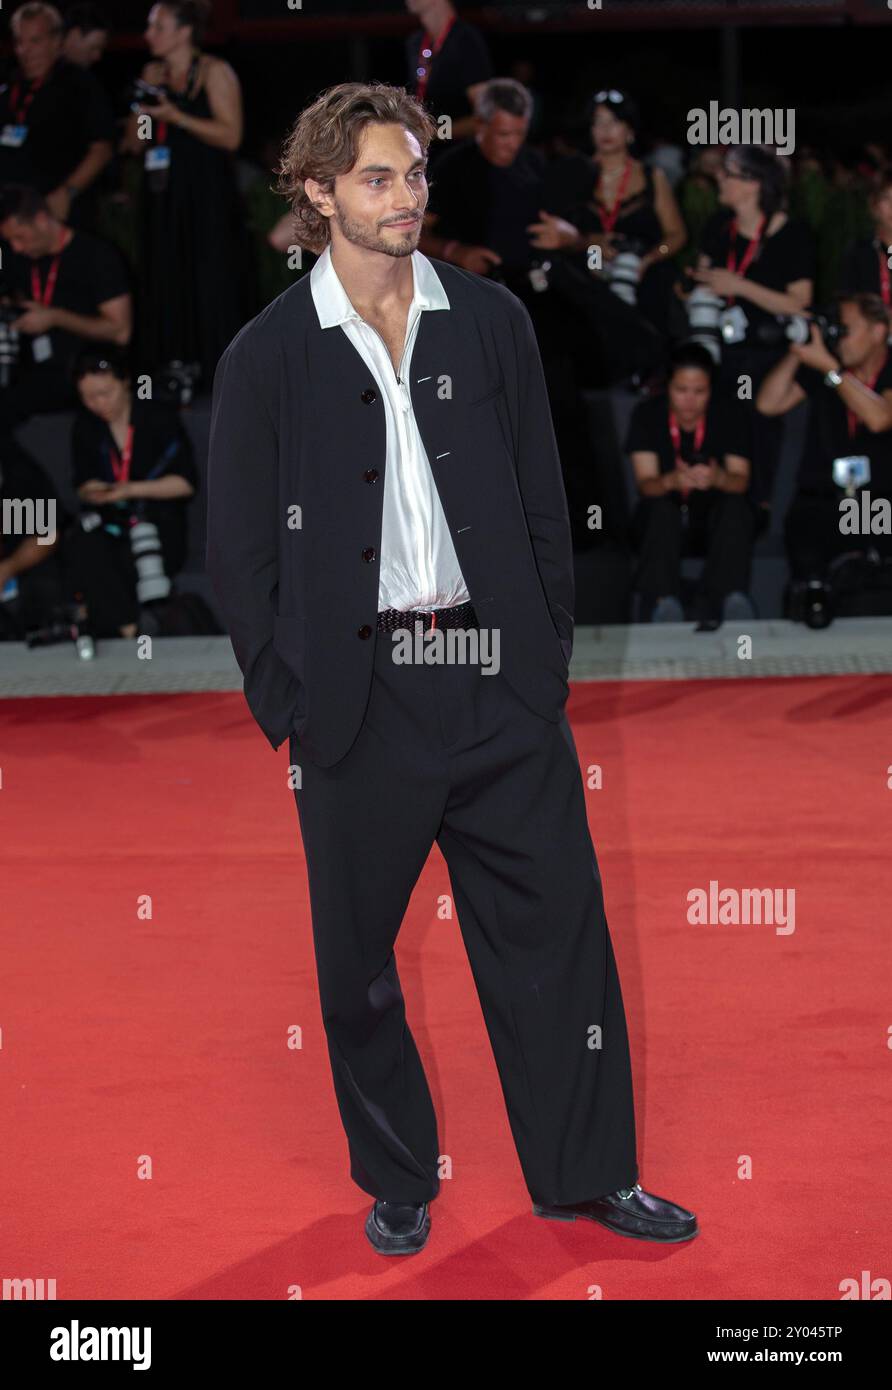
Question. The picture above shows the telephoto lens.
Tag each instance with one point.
(704, 309)
(623, 272)
(10, 345)
(152, 583)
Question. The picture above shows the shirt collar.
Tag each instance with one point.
(333, 306)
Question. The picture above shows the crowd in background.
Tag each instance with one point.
(137, 241)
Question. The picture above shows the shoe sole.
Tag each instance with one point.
(631, 1235)
(421, 1237)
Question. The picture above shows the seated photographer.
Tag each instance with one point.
(487, 191)
(62, 286)
(755, 264)
(134, 472)
(848, 446)
(31, 582)
(484, 196)
(690, 451)
(865, 261)
(613, 202)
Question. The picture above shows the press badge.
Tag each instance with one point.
(42, 348)
(851, 472)
(158, 157)
(13, 136)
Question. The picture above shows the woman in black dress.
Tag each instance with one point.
(132, 463)
(753, 255)
(612, 201)
(194, 254)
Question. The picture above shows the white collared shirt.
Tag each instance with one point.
(419, 566)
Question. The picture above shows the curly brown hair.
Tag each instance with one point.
(325, 142)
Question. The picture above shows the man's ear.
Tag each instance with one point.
(317, 196)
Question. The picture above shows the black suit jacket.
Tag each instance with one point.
(298, 423)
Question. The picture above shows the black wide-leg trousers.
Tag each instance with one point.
(450, 754)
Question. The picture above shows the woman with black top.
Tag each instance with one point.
(194, 254)
(132, 462)
(611, 199)
(753, 255)
(690, 453)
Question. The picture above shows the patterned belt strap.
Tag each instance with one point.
(463, 615)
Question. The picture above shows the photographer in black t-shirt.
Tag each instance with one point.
(448, 63)
(759, 262)
(690, 451)
(57, 129)
(848, 446)
(485, 196)
(60, 288)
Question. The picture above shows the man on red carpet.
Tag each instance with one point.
(382, 465)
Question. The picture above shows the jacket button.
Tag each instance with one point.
(364, 631)
(371, 475)
(368, 396)
(369, 554)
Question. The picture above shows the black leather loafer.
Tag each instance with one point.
(630, 1212)
(397, 1228)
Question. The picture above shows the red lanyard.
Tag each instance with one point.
(432, 49)
(885, 289)
(675, 432)
(121, 462)
(852, 419)
(748, 254)
(20, 112)
(608, 219)
(44, 294)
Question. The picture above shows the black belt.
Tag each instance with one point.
(462, 615)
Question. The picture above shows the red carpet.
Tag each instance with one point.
(130, 1041)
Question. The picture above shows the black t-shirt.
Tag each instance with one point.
(859, 271)
(827, 438)
(63, 115)
(483, 204)
(91, 272)
(23, 479)
(785, 256)
(727, 432)
(161, 446)
(462, 62)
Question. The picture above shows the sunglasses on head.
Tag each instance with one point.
(610, 94)
(733, 171)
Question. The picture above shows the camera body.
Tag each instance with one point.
(796, 328)
(147, 94)
(623, 271)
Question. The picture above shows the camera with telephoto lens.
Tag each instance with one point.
(152, 584)
(10, 342)
(713, 323)
(796, 328)
(623, 270)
